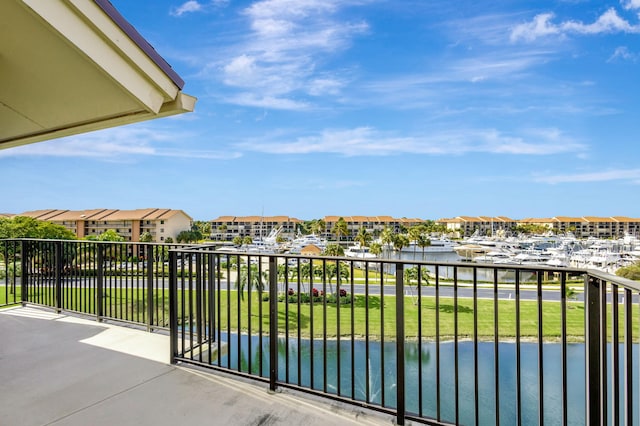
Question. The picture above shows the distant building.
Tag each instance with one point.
(373, 224)
(465, 226)
(226, 228)
(130, 224)
(311, 250)
(589, 226)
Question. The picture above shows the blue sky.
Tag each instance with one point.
(426, 109)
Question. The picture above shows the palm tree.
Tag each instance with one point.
(333, 269)
(222, 229)
(363, 238)
(146, 237)
(376, 249)
(340, 228)
(333, 250)
(387, 238)
(414, 234)
(250, 275)
(318, 226)
(400, 241)
(422, 242)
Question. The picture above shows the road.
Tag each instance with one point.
(465, 291)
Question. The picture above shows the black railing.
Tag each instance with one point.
(126, 282)
(439, 343)
(448, 343)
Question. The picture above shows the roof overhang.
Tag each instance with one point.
(74, 66)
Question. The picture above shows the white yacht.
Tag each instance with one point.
(302, 241)
(359, 252)
(493, 256)
(438, 245)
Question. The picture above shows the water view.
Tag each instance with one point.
(421, 361)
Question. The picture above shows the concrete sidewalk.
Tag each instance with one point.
(62, 370)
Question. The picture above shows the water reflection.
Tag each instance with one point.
(374, 376)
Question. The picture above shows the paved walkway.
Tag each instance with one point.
(62, 370)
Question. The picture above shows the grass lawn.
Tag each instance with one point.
(368, 315)
(373, 315)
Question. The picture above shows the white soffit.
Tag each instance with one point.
(74, 66)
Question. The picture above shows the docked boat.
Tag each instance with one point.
(295, 246)
(437, 245)
(493, 256)
(359, 252)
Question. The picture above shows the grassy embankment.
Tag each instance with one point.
(130, 305)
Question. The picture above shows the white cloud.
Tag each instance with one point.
(630, 4)
(322, 86)
(187, 7)
(271, 102)
(630, 175)
(117, 144)
(282, 55)
(538, 27)
(365, 141)
(624, 54)
(542, 26)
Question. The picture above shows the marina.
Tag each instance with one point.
(606, 255)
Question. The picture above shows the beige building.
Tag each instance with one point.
(465, 226)
(225, 228)
(373, 224)
(589, 226)
(130, 224)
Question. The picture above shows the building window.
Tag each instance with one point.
(162, 222)
(161, 229)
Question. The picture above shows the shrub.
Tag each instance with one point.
(630, 272)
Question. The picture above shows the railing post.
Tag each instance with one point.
(58, 274)
(400, 396)
(150, 298)
(100, 282)
(593, 384)
(173, 307)
(24, 272)
(273, 323)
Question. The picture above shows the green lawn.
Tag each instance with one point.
(373, 315)
(367, 316)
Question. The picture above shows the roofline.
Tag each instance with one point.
(140, 41)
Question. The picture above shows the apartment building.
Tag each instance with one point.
(130, 224)
(373, 224)
(226, 228)
(465, 226)
(590, 226)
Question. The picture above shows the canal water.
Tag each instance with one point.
(376, 375)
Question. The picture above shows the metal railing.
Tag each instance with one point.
(438, 343)
(127, 282)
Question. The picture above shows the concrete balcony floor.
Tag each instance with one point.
(57, 369)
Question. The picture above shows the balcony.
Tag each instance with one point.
(433, 343)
